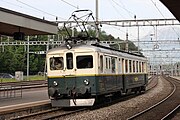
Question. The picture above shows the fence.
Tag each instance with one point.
(10, 90)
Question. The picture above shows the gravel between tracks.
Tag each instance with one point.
(125, 109)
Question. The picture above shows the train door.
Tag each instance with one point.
(120, 77)
(69, 70)
(107, 65)
(70, 61)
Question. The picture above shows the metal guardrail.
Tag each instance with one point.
(10, 91)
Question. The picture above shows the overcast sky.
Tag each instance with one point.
(108, 10)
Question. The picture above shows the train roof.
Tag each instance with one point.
(98, 48)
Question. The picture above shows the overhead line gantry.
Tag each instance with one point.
(135, 22)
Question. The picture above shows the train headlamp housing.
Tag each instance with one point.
(55, 83)
(86, 82)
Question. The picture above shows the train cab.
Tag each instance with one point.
(71, 76)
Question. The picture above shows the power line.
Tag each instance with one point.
(69, 4)
(163, 16)
(157, 8)
(123, 7)
(11, 3)
(117, 10)
(38, 9)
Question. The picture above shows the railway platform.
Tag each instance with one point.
(176, 77)
(29, 97)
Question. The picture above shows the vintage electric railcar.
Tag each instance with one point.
(81, 75)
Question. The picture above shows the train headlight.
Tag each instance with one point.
(55, 83)
(86, 82)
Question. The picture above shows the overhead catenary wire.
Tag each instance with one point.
(128, 11)
(11, 3)
(123, 7)
(39, 10)
(117, 10)
(164, 17)
(69, 4)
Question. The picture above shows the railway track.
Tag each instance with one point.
(171, 114)
(22, 85)
(164, 108)
(52, 113)
(153, 83)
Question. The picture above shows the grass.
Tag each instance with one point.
(31, 78)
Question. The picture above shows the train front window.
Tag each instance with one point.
(56, 63)
(85, 61)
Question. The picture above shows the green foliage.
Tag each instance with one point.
(31, 78)
(14, 58)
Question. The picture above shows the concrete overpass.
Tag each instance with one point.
(11, 22)
(173, 6)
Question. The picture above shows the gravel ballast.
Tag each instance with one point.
(125, 109)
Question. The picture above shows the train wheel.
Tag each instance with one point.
(120, 93)
(136, 91)
(142, 89)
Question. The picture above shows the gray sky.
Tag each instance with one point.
(108, 10)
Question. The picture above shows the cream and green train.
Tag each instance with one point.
(84, 74)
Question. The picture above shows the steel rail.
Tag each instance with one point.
(64, 114)
(170, 113)
(155, 105)
(70, 112)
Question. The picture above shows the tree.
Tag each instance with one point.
(14, 58)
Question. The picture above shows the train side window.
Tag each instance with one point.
(113, 62)
(123, 65)
(106, 63)
(56, 63)
(109, 63)
(120, 66)
(130, 66)
(137, 67)
(69, 60)
(140, 67)
(126, 66)
(101, 63)
(85, 61)
(145, 67)
(134, 67)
